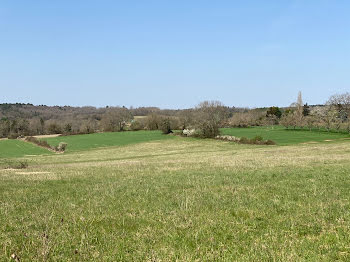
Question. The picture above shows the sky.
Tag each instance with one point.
(173, 54)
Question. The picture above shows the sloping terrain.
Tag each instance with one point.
(180, 199)
(284, 136)
(97, 140)
(11, 148)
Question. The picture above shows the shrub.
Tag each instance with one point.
(136, 125)
(38, 142)
(257, 138)
(165, 126)
(209, 130)
(62, 147)
(12, 136)
(270, 142)
(244, 140)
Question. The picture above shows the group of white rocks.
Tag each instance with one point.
(228, 138)
(188, 132)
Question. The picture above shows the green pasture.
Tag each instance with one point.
(284, 136)
(179, 200)
(16, 148)
(97, 140)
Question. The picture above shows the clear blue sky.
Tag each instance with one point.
(173, 54)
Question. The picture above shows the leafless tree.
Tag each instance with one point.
(115, 119)
(209, 115)
(340, 103)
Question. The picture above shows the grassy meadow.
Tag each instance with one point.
(11, 148)
(284, 136)
(179, 199)
(98, 140)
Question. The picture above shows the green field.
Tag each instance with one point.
(179, 199)
(97, 140)
(284, 136)
(16, 148)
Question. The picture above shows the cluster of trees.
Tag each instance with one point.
(13, 128)
(206, 118)
(28, 120)
(333, 115)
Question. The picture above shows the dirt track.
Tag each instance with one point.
(47, 136)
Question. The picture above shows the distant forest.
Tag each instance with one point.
(28, 120)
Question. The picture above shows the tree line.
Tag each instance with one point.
(29, 120)
(206, 118)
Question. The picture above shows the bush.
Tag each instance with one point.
(257, 139)
(12, 136)
(136, 125)
(38, 142)
(270, 142)
(62, 147)
(210, 131)
(244, 140)
(165, 126)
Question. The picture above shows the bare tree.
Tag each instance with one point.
(288, 120)
(209, 116)
(186, 118)
(153, 121)
(115, 119)
(340, 103)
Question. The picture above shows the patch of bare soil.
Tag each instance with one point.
(47, 136)
(8, 169)
(32, 173)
